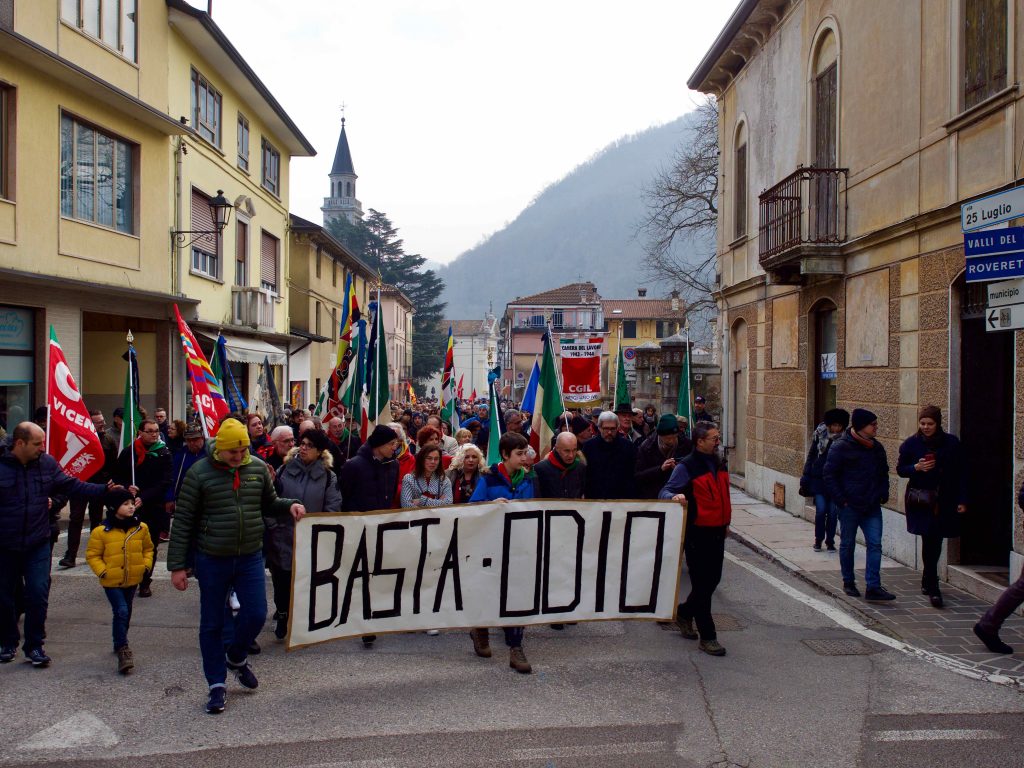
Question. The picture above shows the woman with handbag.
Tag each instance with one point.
(936, 494)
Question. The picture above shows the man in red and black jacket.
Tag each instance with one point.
(701, 481)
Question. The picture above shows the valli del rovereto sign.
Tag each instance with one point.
(994, 254)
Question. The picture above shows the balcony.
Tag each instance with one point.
(252, 307)
(802, 224)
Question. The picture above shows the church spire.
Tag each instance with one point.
(341, 201)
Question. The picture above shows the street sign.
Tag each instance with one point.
(1007, 318)
(995, 254)
(1005, 293)
(993, 209)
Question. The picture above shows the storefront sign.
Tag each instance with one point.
(15, 328)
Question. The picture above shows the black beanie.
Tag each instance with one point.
(862, 417)
(837, 416)
(115, 499)
(381, 435)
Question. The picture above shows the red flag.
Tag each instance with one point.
(459, 393)
(472, 398)
(207, 397)
(70, 437)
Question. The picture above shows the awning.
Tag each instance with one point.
(242, 350)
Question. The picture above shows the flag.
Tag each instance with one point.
(222, 371)
(377, 396)
(459, 393)
(448, 394)
(472, 397)
(337, 386)
(548, 403)
(412, 393)
(207, 396)
(267, 397)
(530, 396)
(132, 415)
(495, 427)
(684, 404)
(621, 385)
(70, 435)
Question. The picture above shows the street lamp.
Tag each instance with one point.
(220, 212)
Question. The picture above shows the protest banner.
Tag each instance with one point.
(483, 565)
(581, 369)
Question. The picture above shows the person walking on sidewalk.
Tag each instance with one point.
(701, 483)
(987, 629)
(936, 495)
(812, 482)
(857, 480)
(219, 518)
(120, 553)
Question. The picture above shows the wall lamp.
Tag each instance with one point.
(220, 212)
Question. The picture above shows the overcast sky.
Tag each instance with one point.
(459, 112)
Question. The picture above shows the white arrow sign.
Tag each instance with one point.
(1004, 318)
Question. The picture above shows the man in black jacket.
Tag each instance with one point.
(857, 481)
(658, 455)
(369, 480)
(610, 457)
(562, 475)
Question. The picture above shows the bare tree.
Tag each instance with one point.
(682, 214)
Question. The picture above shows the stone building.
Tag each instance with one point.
(850, 135)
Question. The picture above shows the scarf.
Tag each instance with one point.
(124, 524)
(513, 480)
(464, 488)
(822, 438)
(141, 452)
(867, 442)
(236, 479)
(558, 464)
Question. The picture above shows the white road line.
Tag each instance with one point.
(589, 750)
(938, 734)
(847, 621)
(382, 762)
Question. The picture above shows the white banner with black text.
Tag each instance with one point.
(484, 565)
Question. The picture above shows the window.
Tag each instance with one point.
(985, 49)
(318, 257)
(205, 248)
(7, 134)
(557, 319)
(316, 320)
(206, 106)
(334, 273)
(348, 189)
(664, 328)
(241, 252)
(112, 22)
(97, 176)
(740, 203)
(629, 329)
(269, 257)
(271, 168)
(243, 143)
(334, 324)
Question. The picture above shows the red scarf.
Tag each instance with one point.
(140, 451)
(556, 462)
(867, 442)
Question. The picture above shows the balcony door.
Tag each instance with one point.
(825, 194)
(738, 364)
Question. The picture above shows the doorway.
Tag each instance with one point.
(824, 365)
(738, 366)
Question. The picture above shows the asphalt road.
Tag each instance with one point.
(602, 694)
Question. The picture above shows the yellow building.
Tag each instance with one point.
(632, 324)
(319, 266)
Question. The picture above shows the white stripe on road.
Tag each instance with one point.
(382, 762)
(938, 734)
(590, 750)
(847, 621)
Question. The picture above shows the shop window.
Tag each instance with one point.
(17, 366)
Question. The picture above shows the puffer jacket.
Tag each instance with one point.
(25, 490)
(368, 483)
(120, 557)
(494, 485)
(220, 510)
(857, 476)
(316, 489)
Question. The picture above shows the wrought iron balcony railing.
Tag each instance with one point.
(808, 207)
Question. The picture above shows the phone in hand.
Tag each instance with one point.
(930, 456)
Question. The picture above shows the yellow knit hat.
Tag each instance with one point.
(232, 434)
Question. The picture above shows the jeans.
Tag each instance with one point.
(121, 604)
(870, 523)
(931, 550)
(825, 518)
(28, 570)
(77, 519)
(217, 576)
(705, 552)
(1007, 603)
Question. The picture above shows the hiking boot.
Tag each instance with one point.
(850, 588)
(7, 654)
(145, 591)
(991, 640)
(481, 643)
(125, 664)
(281, 626)
(368, 641)
(215, 704)
(712, 647)
(38, 658)
(66, 562)
(686, 628)
(244, 673)
(517, 660)
(935, 598)
(878, 594)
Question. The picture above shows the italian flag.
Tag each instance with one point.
(548, 405)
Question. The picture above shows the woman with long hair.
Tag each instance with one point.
(427, 486)
(465, 471)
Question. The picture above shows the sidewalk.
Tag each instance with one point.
(785, 539)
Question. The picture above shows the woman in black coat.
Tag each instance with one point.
(937, 492)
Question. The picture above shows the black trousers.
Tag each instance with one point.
(705, 552)
(282, 583)
(931, 550)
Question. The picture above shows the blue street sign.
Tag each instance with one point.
(999, 267)
(994, 254)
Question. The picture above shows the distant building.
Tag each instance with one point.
(342, 203)
(475, 343)
(397, 312)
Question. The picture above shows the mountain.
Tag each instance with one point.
(582, 226)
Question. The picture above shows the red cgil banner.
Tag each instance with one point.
(581, 370)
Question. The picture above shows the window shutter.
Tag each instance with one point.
(741, 191)
(268, 260)
(241, 241)
(985, 36)
(202, 221)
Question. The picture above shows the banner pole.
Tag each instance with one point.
(557, 377)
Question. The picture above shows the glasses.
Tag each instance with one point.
(304, 444)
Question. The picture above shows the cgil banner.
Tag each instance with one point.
(581, 370)
(483, 565)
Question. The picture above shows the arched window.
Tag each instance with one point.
(348, 189)
(740, 187)
(826, 101)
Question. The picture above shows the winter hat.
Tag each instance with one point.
(930, 412)
(624, 408)
(579, 425)
(115, 499)
(667, 424)
(195, 429)
(861, 418)
(316, 438)
(231, 435)
(837, 416)
(381, 435)
(699, 399)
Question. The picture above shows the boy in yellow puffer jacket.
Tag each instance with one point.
(120, 552)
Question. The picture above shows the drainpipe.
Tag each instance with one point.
(175, 250)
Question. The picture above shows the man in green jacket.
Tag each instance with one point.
(218, 519)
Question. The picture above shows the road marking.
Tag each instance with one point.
(939, 734)
(590, 750)
(81, 730)
(847, 621)
(380, 762)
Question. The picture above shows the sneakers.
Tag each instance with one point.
(481, 643)
(281, 625)
(991, 640)
(7, 654)
(830, 547)
(850, 588)
(878, 594)
(817, 546)
(125, 664)
(66, 562)
(558, 627)
(38, 658)
(712, 647)
(215, 704)
(244, 673)
(517, 660)
(686, 628)
(433, 632)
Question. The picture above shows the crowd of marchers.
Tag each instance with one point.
(227, 507)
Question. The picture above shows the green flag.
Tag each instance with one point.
(548, 406)
(621, 385)
(494, 432)
(684, 405)
(132, 416)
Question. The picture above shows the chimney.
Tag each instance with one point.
(642, 293)
(675, 301)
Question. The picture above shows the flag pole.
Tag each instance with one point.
(48, 404)
(557, 379)
(131, 403)
(689, 391)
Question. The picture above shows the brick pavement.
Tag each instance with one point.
(786, 539)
